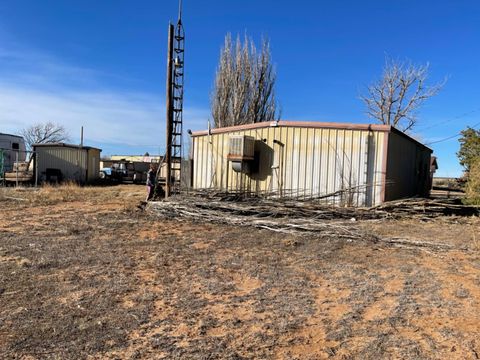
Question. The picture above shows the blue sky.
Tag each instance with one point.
(101, 64)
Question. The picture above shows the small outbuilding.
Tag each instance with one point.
(344, 164)
(12, 149)
(57, 162)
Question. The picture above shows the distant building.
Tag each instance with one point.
(141, 163)
(139, 158)
(59, 162)
(345, 164)
(12, 148)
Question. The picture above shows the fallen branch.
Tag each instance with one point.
(13, 198)
(416, 243)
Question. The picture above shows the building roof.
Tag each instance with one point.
(309, 124)
(17, 136)
(72, 146)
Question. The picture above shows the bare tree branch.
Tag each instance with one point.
(40, 133)
(396, 97)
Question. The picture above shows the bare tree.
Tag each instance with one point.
(40, 133)
(395, 98)
(244, 84)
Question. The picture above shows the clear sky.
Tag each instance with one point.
(101, 64)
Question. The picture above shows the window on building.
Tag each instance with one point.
(15, 146)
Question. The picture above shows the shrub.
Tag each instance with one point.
(473, 184)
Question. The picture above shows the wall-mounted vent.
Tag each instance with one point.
(241, 148)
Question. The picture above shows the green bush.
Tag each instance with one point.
(472, 190)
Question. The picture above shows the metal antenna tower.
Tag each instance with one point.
(175, 107)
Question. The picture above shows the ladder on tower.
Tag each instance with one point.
(177, 97)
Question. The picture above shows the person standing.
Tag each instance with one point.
(151, 175)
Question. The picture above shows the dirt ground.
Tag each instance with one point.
(85, 274)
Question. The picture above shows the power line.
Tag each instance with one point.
(452, 119)
(450, 137)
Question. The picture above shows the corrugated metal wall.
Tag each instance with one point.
(13, 148)
(298, 162)
(408, 168)
(71, 162)
(93, 164)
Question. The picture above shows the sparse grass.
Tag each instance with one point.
(45, 194)
(53, 194)
(70, 192)
(84, 276)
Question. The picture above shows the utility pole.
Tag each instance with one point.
(169, 107)
(175, 84)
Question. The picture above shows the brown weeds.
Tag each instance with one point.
(88, 277)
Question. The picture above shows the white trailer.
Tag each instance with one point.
(12, 149)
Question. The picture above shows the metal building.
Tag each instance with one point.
(65, 162)
(12, 148)
(140, 158)
(345, 164)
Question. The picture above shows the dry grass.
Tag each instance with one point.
(45, 195)
(72, 192)
(89, 277)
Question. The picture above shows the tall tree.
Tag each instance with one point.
(40, 133)
(244, 84)
(469, 148)
(395, 98)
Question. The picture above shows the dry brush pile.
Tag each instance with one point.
(297, 217)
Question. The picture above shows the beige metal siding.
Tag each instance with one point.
(71, 162)
(93, 164)
(408, 168)
(299, 162)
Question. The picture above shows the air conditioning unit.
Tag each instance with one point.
(241, 148)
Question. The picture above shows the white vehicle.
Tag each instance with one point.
(12, 147)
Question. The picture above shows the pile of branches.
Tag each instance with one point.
(301, 216)
(425, 208)
(274, 215)
(284, 215)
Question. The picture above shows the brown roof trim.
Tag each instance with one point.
(65, 145)
(303, 124)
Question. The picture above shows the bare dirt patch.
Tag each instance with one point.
(87, 275)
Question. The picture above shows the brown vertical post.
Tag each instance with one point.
(169, 107)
